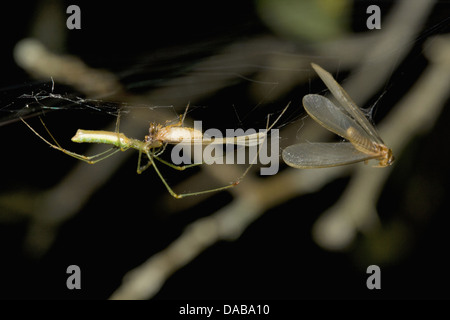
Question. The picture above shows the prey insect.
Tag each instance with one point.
(345, 120)
(154, 145)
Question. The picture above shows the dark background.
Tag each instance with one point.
(276, 257)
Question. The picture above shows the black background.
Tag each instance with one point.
(276, 257)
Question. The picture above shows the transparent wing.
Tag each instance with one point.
(322, 155)
(329, 116)
(347, 103)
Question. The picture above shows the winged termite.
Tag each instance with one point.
(345, 120)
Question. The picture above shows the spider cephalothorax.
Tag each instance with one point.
(152, 132)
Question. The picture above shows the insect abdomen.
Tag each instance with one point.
(361, 143)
